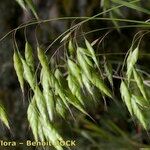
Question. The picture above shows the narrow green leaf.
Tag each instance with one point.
(32, 7)
(133, 6)
(66, 37)
(22, 4)
(112, 16)
(105, 4)
(59, 76)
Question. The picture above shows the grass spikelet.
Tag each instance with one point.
(33, 116)
(126, 96)
(140, 100)
(71, 48)
(138, 113)
(59, 76)
(48, 94)
(82, 62)
(140, 84)
(65, 37)
(88, 61)
(59, 90)
(51, 134)
(131, 60)
(3, 116)
(109, 72)
(92, 52)
(45, 66)
(87, 84)
(43, 59)
(60, 107)
(75, 70)
(41, 132)
(19, 69)
(75, 88)
(40, 101)
(100, 84)
(74, 101)
(28, 74)
(29, 56)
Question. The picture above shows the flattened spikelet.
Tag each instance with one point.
(59, 77)
(28, 74)
(126, 96)
(83, 64)
(140, 84)
(92, 52)
(48, 94)
(43, 59)
(40, 101)
(3, 116)
(19, 69)
(60, 91)
(74, 101)
(140, 100)
(41, 132)
(109, 72)
(75, 71)
(100, 84)
(75, 88)
(51, 134)
(33, 116)
(131, 60)
(29, 56)
(138, 113)
(87, 83)
(60, 107)
(71, 48)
